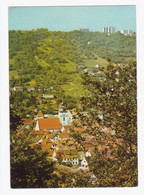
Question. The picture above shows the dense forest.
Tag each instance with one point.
(91, 69)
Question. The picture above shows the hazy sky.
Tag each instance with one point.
(72, 18)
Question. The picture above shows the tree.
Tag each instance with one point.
(113, 96)
(15, 120)
(30, 167)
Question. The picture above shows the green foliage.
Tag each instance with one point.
(29, 166)
(114, 96)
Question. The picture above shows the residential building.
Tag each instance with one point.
(18, 88)
(84, 164)
(84, 29)
(109, 30)
(74, 159)
(28, 123)
(127, 32)
(46, 96)
(29, 89)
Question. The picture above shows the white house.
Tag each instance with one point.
(84, 165)
(88, 154)
(74, 159)
(18, 88)
(48, 96)
(30, 89)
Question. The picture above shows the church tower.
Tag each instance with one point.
(63, 115)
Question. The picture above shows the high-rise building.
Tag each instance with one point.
(109, 30)
(127, 32)
(84, 29)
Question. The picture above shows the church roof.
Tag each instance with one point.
(49, 123)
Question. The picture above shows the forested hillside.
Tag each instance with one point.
(94, 74)
(42, 52)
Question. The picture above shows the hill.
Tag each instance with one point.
(42, 58)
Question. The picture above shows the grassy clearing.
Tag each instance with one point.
(92, 63)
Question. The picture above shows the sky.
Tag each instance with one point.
(72, 17)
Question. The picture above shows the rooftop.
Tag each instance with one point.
(49, 123)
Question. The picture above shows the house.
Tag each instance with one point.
(39, 89)
(29, 89)
(49, 124)
(48, 89)
(38, 99)
(46, 96)
(88, 154)
(28, 123)
(74, 159)
(18, 88)
(81, 67)
(89, 70)
(87, 146)
(93, 178)
(54, 155)
(80, 106)
(59, 146)
(108, 130)
(97, 66)
(84, 165)
(47, 144)
(78, 129)
(37, 133)
(64, 136)
(55, 137)
(87, 137)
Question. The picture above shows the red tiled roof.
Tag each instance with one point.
(62, 135)
(19, 134)
(46, 147)
(59, 145)
(86, 135)
(46, 141)
(27, 121)
(50, 153)
(78, 129)
(48, 135)
(38, 98)
(70, 142)
(65, 148)
(37, 132)
(67, 156)
(49, 123)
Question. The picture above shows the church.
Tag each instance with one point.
(55, 122)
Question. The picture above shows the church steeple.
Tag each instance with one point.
(63, 115)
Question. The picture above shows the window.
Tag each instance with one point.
(63, 118)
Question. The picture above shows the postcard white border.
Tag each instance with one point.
(4, 100)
